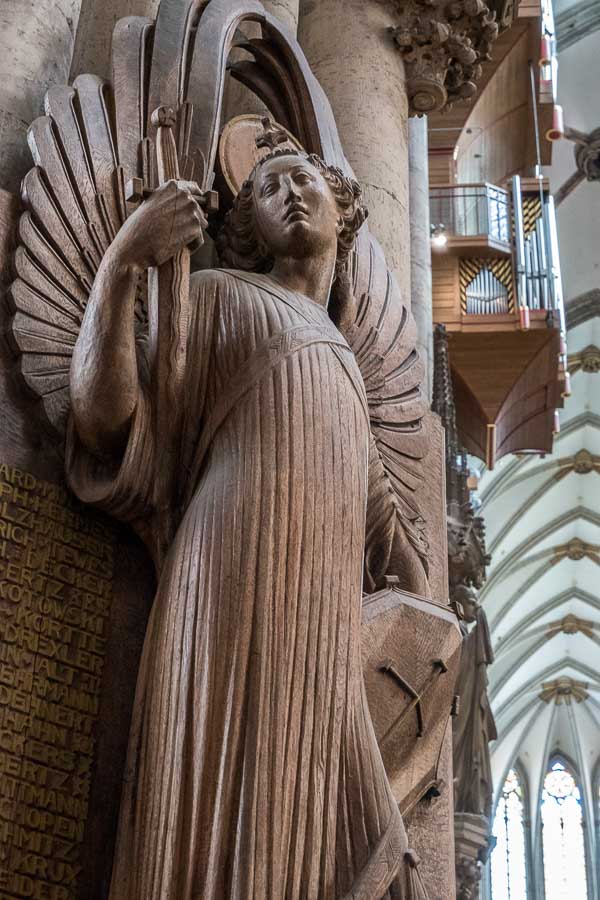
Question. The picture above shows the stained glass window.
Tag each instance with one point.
(562, 833)
(509, 880)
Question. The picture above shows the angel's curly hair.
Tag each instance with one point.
(239, 244)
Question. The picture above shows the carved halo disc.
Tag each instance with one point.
(238, 153)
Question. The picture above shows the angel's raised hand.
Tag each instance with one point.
(169, 220)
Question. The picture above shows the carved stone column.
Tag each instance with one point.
(420, 243)
(36, 44)
(94, 34)
(350, 48)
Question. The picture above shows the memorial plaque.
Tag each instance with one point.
(56, 569)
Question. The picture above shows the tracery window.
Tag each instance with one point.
(509, 878)
(562, 833)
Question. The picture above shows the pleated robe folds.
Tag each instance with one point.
(253, 770)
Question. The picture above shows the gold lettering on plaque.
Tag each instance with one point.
(56, 565)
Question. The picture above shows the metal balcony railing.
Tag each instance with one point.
(477, 210)
(469, 210)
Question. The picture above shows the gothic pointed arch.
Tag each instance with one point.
(563, 831)
(510, 860)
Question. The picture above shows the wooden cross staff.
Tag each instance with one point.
(169, 315)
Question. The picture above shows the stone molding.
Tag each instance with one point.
(582, 308)
(576, 22)
(443, 44)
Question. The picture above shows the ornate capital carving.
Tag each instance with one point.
(571, 624)
(564, 690)
(588, 360)
(576, 550)
(468, 877)
(443, 43)
(587, 154)
(582, 463)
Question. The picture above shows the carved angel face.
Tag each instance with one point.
(296, 211)
(467, 597)
(261, 226)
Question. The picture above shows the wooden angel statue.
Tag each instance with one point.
(253, 769)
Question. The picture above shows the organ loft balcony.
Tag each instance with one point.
(497, 290)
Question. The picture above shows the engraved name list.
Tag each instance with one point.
(56, 566)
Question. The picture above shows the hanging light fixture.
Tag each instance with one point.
(439, 238)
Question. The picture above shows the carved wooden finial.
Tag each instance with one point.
(164, 117)
(272, 135)
(412, 859)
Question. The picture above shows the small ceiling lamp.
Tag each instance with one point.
(557, 131)
(439, 238)
(546, 51)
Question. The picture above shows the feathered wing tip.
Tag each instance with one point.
(131, 61)
(383, 339)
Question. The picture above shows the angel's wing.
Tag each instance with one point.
(383, 339)
(75, 204)
(73, 212)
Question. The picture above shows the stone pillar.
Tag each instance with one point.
(94, 35)
(350, 46)
(36, 45)
(420, 242)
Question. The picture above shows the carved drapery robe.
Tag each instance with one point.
(253, 769)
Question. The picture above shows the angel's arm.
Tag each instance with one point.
(104, 375)
(105, 384)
